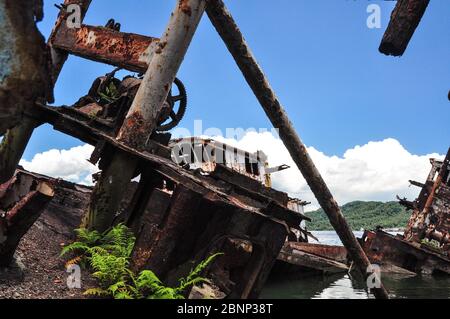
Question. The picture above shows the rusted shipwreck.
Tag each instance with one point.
(425, 245)
(179, 215)
(423, 248)
(186, 216)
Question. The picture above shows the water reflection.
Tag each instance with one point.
(346, 287)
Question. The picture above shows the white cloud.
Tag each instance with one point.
(375, 171)
(71, 165)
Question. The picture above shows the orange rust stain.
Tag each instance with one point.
(137, 129)
(185, 7)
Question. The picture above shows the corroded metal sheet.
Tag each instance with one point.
(385, 249)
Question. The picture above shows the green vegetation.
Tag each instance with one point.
(108, 255)
(366, 215)
(110, 93)
(432, 244)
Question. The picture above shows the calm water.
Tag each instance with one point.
(344, 286)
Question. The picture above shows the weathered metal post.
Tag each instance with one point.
(226, 27)
(16, 139)
(141, 120)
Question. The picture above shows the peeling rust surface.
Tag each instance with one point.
(185, 7)
(127, 50)
(136, 127)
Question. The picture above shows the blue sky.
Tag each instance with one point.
(320, 58)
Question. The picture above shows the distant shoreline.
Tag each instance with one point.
(360, 215)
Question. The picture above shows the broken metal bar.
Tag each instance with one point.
(126, 50)
(236, 44)
(405, 18)
(418, 184)
(22, 200)
(142, 118)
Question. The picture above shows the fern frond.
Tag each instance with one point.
(119, 240)
(75, 247)
(96, 292)
(88, 237)
(74, 261)
(194, 276)
(166, 293)
(148, 280)
(193, 282)
(123, 295)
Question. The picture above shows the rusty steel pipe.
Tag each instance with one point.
(164, 61)
(228, 30)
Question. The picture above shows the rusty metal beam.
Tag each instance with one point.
(126, 50)
(405, 18)
(236, 44)
(22, 200)
(75, 123)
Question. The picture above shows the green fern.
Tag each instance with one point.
(118, 241)
(194, 276)
(148, 281)
(109, 269)
(108, 255)
(90, 238)
(98, 292)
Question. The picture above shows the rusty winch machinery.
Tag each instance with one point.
(110, 99)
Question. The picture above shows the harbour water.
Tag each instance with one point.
(343, 286)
